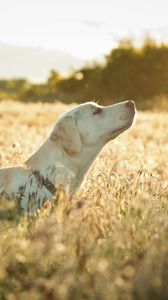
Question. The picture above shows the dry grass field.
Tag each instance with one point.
(110, 242)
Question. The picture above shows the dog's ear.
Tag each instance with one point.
(66, 135)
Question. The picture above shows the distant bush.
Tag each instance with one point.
(12, 88)
(128, 73)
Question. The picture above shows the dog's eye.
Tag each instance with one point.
(97, 111)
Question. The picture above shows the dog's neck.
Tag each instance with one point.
(50, 155)
(83, 162)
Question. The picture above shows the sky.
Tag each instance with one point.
(84, 28)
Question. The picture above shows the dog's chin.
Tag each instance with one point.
(113, 134)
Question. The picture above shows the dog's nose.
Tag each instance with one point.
(130, 103)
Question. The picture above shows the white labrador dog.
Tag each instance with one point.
(67, 154)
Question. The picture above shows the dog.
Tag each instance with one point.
(67, 154)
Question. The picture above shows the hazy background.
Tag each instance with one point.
(78, 50)
(76, 31)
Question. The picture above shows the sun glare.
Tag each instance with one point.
(85, 29)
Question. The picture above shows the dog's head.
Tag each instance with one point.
(90, 124)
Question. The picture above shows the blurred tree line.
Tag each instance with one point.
(127, 73)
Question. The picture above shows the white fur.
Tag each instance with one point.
(67, 154)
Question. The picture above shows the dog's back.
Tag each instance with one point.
(12, 178)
